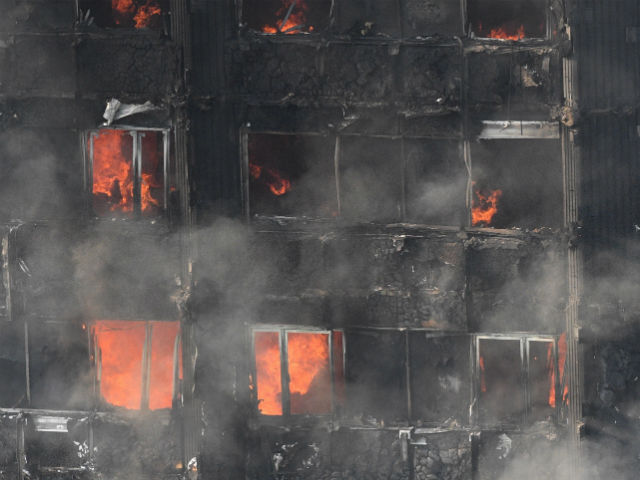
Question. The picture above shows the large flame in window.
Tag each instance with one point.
(122, 368)
(112, 171)
(309, 378)
(293, 18)
(268, 372)
(504, 33)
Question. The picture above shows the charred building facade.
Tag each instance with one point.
(319, 239)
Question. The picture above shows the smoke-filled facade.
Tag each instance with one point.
(319, 239)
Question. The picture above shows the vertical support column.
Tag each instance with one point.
(571, 177)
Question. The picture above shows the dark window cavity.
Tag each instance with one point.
(138, 14)
(508, 19)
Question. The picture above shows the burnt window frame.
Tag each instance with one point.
(284, 375)
(337, 139)
(469, 33)
(136, 159)
(167, 18)
(145, 365)
(524, 342)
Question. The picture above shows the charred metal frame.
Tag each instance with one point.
(283, 332)
(136, 155)
(524, 340)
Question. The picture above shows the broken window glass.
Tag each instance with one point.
(517, 183)
(138, 363)
(128, 172)
(137, 14)
(292, 175)
(508, 19)
(309, 382)
(286, 16)
(501, 398)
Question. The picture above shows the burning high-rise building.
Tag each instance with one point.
(319, 239)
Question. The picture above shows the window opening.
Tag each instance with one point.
(138, 363)
(286, 16)
(542, 379)
(508, 19)
(291, 175)
(516, 183)
(128, 172)
(137, 14)
(313, 379)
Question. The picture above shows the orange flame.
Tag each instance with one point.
(276, 182)
(502, 33)
(552, 376)
(483, 383)
(484, 207)
(112, 175)
(142, 15)
(121, 344)
(151, 184)
(309, 382)
(268, 372)
(562, 358)
(296, 20)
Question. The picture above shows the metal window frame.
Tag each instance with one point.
(283, 331)
(137, 133)
(524, 342)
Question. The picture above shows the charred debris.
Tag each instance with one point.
(319, 239)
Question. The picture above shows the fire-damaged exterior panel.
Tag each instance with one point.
(318, 239)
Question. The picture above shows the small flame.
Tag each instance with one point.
(483, 383)
(296, 10)
(562, 358)
(142, 15)
(484, 207)
(503, 34)
(552, 376)
(273, 179)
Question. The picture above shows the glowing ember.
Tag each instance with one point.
(272, 178)
(121, 345)
(309, 380)
(268, 372)
(112, 172)
(483, 382)
(142, 16)
(504, 34)
(293, 13)
(484, 207)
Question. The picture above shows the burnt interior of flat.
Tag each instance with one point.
(137, 14)
(292, 175)
(516, 183)
(508, 19)
(287, 17)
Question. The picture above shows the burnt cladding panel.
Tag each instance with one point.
(375, 375)
(432, 17)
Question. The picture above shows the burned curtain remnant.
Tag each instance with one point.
(508, 19)
(517, 183)
(286, 16)
(137, 363)
(501, 398)
(128, 172)
(127, 13)
(308, 381)
(291, 175)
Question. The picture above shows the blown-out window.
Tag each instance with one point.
(508, 19)
(128, 172)
(137, 14)
(298, 372)
(520, 379)
(138, 363)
